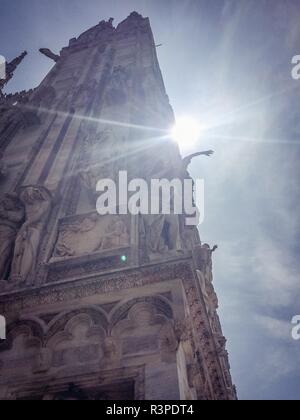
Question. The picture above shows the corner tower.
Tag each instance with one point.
(100, 307)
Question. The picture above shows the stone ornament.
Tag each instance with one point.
(12, 214)
(37, 202)
(91, 233)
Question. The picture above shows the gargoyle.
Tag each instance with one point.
(187, 160)
(48, 53)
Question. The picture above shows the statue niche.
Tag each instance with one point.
(37, 202)
(161, 233)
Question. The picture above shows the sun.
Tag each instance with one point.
(186, 131)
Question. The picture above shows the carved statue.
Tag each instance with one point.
(89, 234)
(116, 236)
(162, 231)
(11, 217)
(68, 235)
(37, 202)
(205, 259)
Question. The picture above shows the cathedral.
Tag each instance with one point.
(100, 307)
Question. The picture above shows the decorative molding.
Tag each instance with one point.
(95, 285)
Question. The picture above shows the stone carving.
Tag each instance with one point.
(204, 345)
(161, 234)
(37, 202)
(187, 160)
(91, 233)
(21, 351)
(203, 259)
(48, 53)
(142, 305)
(115, 282)
(66, 244)
(116, 236)
(138, 330)
(11, 217)
(80, 341)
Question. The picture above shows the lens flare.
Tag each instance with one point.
(186, 131)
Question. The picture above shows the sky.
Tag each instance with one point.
(226, 63)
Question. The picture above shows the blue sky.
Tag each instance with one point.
(227, 63)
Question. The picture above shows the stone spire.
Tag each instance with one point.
(10, 68)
